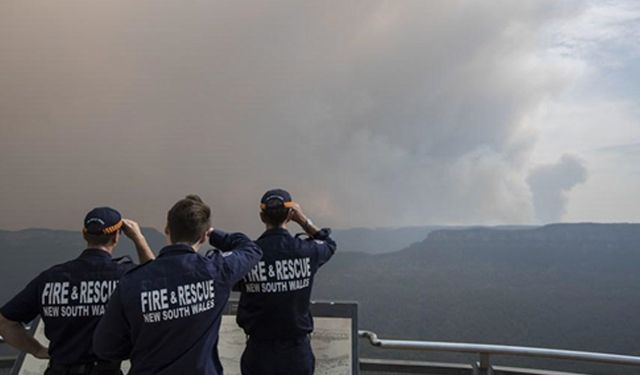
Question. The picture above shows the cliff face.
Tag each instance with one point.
(618, 234)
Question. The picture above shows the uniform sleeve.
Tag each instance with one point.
(25, 306)
(111, 339)
(241, 254)
(324, 245)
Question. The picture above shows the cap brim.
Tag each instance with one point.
(291, 204)
(108, 230)
(114, 228)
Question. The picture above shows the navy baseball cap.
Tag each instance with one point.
(276, 198)
(102, 220)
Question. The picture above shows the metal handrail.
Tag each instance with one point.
(486, 350)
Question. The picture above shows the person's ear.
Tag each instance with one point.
(167, 233)
(262, 217)
(203, 237)
(116, 238)
(289, 216)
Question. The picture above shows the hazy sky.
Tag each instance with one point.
(372, 113)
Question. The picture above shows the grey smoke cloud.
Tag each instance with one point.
(370, 113)
(550, 185)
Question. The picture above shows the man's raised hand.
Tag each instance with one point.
(131, 229)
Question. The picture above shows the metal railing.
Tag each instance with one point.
(6, 363)
(483, 366)
(484, 351)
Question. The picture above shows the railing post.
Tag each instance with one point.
(484, 366)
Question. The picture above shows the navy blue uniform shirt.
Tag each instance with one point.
(165, 315)
(275, 298)
(70, 298)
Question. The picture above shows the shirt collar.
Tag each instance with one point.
(91, 252)
(276, 232)
(176, 249)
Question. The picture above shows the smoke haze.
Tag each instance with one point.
(550, 185)
(370, 113)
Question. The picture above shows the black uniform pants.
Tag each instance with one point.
(84, 369)
(278, 357)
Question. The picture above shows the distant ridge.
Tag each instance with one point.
(387, 240)
(599, 232)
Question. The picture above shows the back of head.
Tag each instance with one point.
(101, 226)
(188, 220)
(275, 207)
